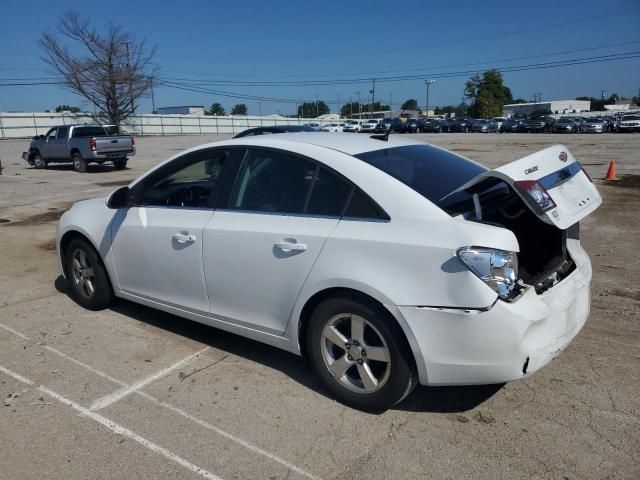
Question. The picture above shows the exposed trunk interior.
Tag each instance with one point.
(543, 259)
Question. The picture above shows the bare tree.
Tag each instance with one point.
(111, 70)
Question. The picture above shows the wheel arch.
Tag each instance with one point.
(314, 300)
(73, 151)
(67, 238)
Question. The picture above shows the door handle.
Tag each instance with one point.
(184, 238)
(290, 246)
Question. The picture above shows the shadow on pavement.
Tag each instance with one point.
(423, 399)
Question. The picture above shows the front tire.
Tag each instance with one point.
(360, 354)
(38, 161)
(87, 277)
(79, 163)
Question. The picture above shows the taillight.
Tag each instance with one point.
(92, 144)
(538, 193)
(133, 141)
(588, 176)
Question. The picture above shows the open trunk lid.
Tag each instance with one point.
(550, 182)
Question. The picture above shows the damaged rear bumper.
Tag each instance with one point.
(506, 342)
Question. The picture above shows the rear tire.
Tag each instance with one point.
(87, 277)
(38, 161)
(79, 163)
(120, 163)
(344, 336)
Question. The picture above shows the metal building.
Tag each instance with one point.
(182, 110)
(553, 106)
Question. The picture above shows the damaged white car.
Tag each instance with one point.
(386, 262)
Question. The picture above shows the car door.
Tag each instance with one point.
(157, 242)
(259, 250)
(59, 145)
(48, 147)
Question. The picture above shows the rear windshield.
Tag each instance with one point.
(428, 170)
(89, 132)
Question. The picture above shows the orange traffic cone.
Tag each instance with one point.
(611, 172)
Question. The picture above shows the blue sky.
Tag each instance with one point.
(296, 41)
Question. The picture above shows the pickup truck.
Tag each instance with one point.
(80, 145)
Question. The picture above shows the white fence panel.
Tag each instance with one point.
(26, 125)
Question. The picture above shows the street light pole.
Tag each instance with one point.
(428, 83)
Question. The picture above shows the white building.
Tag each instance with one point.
(553, 106)
(182, 110)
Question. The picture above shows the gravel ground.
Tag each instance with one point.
(183, 400)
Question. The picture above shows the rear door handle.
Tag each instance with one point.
(184, 238)
(290, 246)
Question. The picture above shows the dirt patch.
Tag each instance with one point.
(627, 181)
(51, 215)
(626, 293)
(48, 246)
(115, 183)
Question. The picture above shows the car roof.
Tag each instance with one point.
(349, 144)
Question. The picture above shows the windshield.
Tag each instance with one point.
(430, 171)
(631, 117)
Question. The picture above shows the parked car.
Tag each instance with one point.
(353, 126)
(447, 123)
(369, 126)
(271, 129)
(410, 125)
(432, 125)
(628, 123)
(385, 263)
(462, 125)
(387, 125)
(333, 127)
(513, 125)
(566, 125)
(538, 124)
(314, 126)
(500, 121)
(484, 126)
(80, 145)
(594, 125)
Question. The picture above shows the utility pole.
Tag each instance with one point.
(351, 107)
(602, 94)
(373, 97)
(428, 83)
(153, 97)
(359, 105)
(133, 105)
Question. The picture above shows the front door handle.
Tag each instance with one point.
(184, 238)
(290, 246)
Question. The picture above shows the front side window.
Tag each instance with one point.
(193, 183)
(51, 134)
(62, 133)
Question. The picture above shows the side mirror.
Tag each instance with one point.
(119, 198)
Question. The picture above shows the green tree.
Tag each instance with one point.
(216, 109)
(488, 94)
(239, 109)
(636, 101)
(313, 109)
(519, 100)
(67, 108)
(349, 109)
(411, 104)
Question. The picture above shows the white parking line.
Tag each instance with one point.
(178, 411)
(114, 427)
(119, 394)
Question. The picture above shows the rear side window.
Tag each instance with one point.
(329, 194)
(362, 207)
(428, 170)
(273, 181)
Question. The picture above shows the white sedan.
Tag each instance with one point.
(384, 261)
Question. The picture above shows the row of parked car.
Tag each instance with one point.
(534, 124)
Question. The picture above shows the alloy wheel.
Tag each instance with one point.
(83, 274)
(355, 353)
